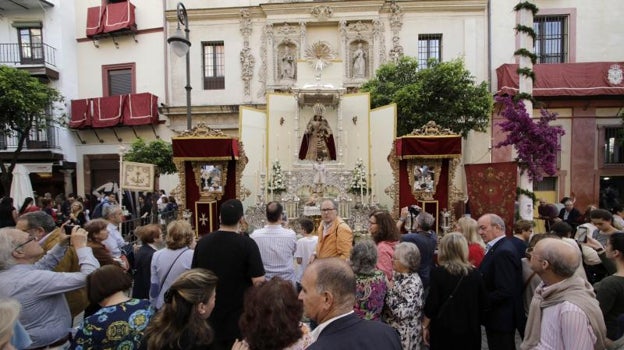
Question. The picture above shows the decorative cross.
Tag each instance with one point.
(203, 219)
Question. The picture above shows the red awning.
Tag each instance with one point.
(119, 16)
(140, 109)
(566, 79)
(94, 20)
(205, 148)
(102, 112)
(110, 18)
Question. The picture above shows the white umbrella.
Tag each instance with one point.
(20, 186)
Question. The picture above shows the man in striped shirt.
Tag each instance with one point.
(564, 312)
(277, 244)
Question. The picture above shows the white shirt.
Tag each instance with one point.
(306, 246)
(491, 243)
(317, 331)
(115, 241)
(277, 248)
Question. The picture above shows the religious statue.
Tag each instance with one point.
(423, 178)
(318, 140)
(287, 66)
(359, 62)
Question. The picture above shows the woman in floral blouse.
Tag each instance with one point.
(404, 300)
(121, 321)
(370, 283)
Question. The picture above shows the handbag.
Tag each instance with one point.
(445, 304)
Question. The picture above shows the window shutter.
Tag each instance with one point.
(119, 82)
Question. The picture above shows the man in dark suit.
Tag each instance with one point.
(502, 273)
(328, 296)
(570, 214)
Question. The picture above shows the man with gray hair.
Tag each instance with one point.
(425, 238)
(335, 238)
(114, 215)
(29, 279)
(564, 312)
(328, 295)
(501, 269)
(42, 227)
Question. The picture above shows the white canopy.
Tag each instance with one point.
(21, 187)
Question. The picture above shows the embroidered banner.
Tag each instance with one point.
(492, 189)
(137, 176)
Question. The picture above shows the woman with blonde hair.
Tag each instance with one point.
(182, 321)
(169, 263)
(457, 299)
(476, 248)
(9, 324)
(77, 215)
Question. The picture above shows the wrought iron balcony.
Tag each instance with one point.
(39, 139)
(38, 59)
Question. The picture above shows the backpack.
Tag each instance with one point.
(97, 211)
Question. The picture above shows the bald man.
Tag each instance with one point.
(564, 312)
(328, 295)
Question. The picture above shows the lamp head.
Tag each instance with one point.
(179, 43)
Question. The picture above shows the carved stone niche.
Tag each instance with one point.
(359, 63)
(286, 62)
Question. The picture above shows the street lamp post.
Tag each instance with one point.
(181, 46)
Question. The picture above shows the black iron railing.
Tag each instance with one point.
(38, 138)
(27, 54)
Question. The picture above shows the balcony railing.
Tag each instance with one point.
(27, 54)
(38, 139)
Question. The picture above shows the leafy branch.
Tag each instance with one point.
(526, 30)
(525, 5)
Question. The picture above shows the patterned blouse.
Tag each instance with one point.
(370, 292)
(403, 311)
(118, 326)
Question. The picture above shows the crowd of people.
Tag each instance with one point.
(81, 285)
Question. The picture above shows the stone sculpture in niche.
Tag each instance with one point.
(359, 62)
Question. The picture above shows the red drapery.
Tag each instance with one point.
(428, 147)
(444, 148)
(205, 148)
(566, 79)
(191, 149)
(492, 189)
(110, 18)
(103, 112)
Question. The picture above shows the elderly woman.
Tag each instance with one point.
(271, 318)
(476, 248)
(456, 300)
(386, 235)
(121, 321)
(169, 263)
(151, 241)
(181, 323)
(370, 283)
(404, 300)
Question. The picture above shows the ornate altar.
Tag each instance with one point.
(424, 165)
(210, 165)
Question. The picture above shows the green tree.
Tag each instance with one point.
(25, 103)
(445, 92)
(156, 152)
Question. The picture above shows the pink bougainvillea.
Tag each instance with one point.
(535, 141)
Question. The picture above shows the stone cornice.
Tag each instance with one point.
(442, 6)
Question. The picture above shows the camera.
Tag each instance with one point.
(414, 210)
(68, 229)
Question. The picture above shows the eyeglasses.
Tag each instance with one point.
(327, 209)
(528, 252)
(32, 238)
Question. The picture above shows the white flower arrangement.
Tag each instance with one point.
(277, 183)
(358, 180)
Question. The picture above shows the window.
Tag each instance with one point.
(429, 46)
(551, 40)
(214, 65)
(118, 79)
(614, 145)
(547, 184)
(31, 45)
